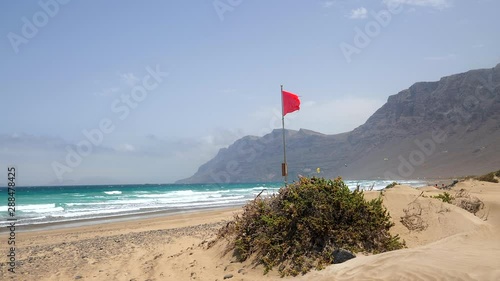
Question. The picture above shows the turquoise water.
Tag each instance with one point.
(46, 204)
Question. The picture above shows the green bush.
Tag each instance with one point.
(490, 177)
(497, 173)
(391, 185)
(445, 197)
(300, 227)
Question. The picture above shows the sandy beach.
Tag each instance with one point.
(446, 243)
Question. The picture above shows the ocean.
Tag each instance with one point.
(38, 205)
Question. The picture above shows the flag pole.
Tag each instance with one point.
(284, 168)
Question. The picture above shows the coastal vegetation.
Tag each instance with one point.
(445, 197)
(391, 185)
(466, 201)
(462, 199)
(302, 227)
(490, 177)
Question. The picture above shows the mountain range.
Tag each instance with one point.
(442, 129)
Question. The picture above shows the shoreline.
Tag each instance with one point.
(65, 209)
(113, 250)
(125, 218)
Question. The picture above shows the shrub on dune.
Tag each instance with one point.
(490, 177)
(391, 185)
(299, 228)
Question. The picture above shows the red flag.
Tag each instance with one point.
(291, 102)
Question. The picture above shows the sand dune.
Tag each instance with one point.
(447, 243)
(456, 245)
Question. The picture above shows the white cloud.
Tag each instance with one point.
(156, 159)
(32, 155)
(328, 117)
(328, 4)
(440, 58)
(125, 147)
(359, 13)
(149, 159)
(221, 138)
(129, 78)
(335, 116)
(438, 4)
(107, 92)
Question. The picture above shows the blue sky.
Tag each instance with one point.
(67, 66)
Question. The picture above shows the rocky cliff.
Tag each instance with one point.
(446, 128)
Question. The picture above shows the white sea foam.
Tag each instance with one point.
(208, 204)
(111, 202)
(380, 184)
(92, 205)
(115, 192)
(186, 194)
(36, 208)
(196, 199)
(97, 213)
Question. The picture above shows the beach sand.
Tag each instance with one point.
(455, 245)
(448, 243)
